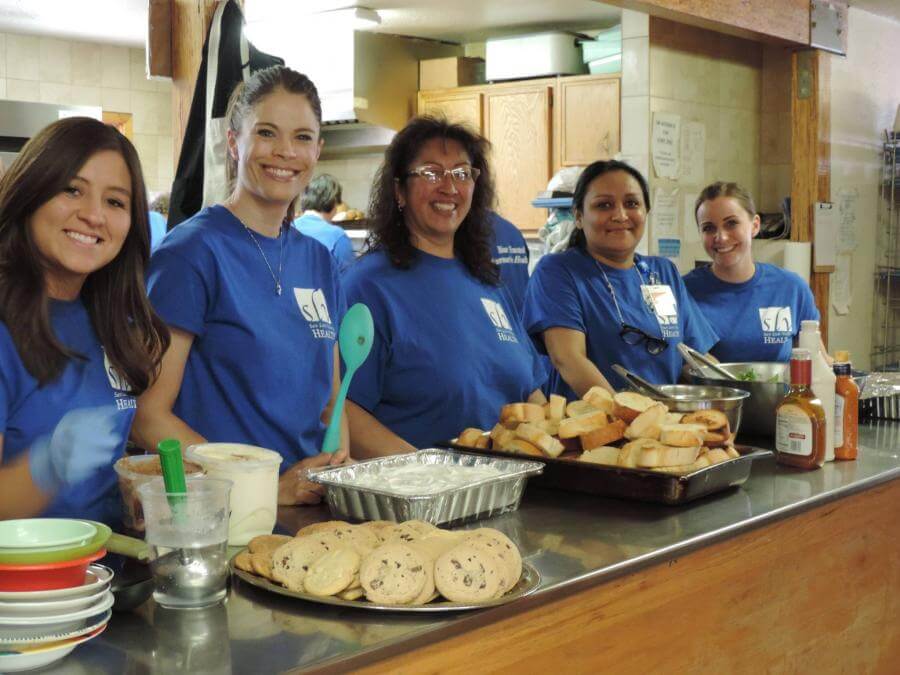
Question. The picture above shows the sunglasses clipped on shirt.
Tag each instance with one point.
(435, 174)
(632, 335)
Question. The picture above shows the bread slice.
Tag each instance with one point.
(600, 398)
(578, 408)
(556, 408)
(537, 436)
(667, 455)
(521, 447)
(717, 438)
(575, 426)
(717, 455)
(682, 435)
(482, 442)
(711, 419)
(516, 413)
(605, 435)
(731, 452)
(628, 405)
(500, 436)
(537, 397)
(674, 418)
(469, 437)
(551, 427)
(648, 423)
(628, 455)
(603, 455)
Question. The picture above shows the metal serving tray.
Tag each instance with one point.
(482, 499)
(641, 484)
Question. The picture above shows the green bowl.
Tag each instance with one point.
(30, 534)
(42, 556)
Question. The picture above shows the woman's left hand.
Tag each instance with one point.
(294, 486)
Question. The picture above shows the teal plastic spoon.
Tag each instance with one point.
(355, 342)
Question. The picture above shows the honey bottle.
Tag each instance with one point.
(800, 428)
(846, 409)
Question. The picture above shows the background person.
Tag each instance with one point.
(253, 305)
(78, 338)
(319, 203)
(755, 308)
(600, 303)
(159, 214)
(449, 348)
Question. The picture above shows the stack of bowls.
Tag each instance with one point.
(52, 598)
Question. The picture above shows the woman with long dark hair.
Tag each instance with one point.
(253, 305)
(449, 348)
(78, 338)
(600, 303)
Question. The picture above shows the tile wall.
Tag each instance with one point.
(51, 70)
(355, 175)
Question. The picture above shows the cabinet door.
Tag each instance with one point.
(588, 124)
(464, 108)
(517, 123)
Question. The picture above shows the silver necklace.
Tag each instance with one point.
(277, 279)
(613, 293)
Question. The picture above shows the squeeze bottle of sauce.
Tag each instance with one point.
(846, 409)
(800, 426)
(823, 379)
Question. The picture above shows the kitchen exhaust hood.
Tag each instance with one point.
(20, 120)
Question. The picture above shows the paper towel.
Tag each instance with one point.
(798, 258)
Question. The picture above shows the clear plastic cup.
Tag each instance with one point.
(136, 470)
(254, 497)
(188, 535)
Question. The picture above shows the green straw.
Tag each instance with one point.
(173, 475)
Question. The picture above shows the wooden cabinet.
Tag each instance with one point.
(535, 128)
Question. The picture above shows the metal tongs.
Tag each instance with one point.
(639, 383)
(699, 361)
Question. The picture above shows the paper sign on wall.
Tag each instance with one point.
(665, 214)
(669, 248)
(846, 236)
(693, 154)
(825, 245)
(665, 144)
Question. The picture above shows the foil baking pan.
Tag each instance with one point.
(482, 499)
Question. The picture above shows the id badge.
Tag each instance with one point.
(661, 300)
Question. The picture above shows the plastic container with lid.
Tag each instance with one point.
(136, 470)
(254, 495)
(823, 379)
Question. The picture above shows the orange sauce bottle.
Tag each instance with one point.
(846, 409)
(800, 419)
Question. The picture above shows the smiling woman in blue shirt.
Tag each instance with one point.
(756, 308)
(599, 303)
(449, 347)
(78, 338)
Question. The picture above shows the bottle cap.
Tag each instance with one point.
(842, 356)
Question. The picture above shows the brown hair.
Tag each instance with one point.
(248, 94)
(132, 335)
(723, 189)
(472, 242)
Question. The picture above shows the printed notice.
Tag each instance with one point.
(846, 234)
(840, 285)
(693, 154)
(669, 248)
(665, 145)
(665, 214)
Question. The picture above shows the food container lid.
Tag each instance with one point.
(228, 455)
(139, 466)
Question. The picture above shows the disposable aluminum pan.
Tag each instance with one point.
(482, 499)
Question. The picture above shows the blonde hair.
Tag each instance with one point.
(723, 189)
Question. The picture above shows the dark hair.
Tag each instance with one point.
(722, 189)
(322, 194)
(248, 94)
(590, 173)
(133, 336)
(387, 230)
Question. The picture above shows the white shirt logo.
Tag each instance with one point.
(498, 317)
(119, 385)
(777, 324)
(314, 309)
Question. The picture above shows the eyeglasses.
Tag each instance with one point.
(435, 174)
(632, 335)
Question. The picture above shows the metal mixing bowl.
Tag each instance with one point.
(685, 398)
(759, 409)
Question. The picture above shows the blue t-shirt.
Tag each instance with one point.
(567, 290)
(28, 410)
(157, 229)
(449, 351)
(261, 364)
(756, 320)
(510, 254)
(331, 236)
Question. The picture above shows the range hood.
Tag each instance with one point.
(20, 120)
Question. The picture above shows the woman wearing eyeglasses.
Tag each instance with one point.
(449, 349)
(599, 303)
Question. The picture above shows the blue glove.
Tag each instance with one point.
(84, 440)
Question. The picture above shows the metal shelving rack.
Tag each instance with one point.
(886, 324)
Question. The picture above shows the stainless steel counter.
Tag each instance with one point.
(575, 541)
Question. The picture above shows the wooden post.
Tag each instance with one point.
(811, 157)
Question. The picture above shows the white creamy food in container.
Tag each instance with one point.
(254, 495)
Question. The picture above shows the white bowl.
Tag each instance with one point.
(50, 607)
(25, 627)
(40, 636)
(96, 578)
(35, 656)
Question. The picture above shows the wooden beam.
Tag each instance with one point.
(817, 592)
(766, 20)
(159, 38)
(811, 157)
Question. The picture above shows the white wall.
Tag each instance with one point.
(865, 93)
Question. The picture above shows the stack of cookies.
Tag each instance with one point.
(626, 429)
(410, 563)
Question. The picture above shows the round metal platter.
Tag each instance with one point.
(528, 582)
